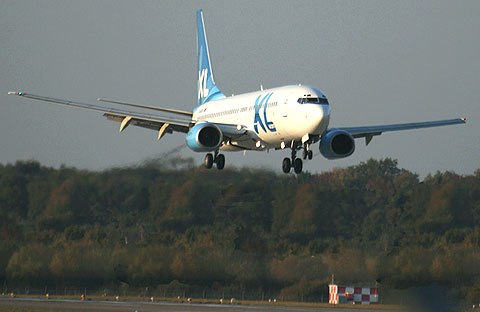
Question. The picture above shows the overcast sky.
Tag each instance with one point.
(378, 62)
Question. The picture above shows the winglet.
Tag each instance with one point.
(15, 93)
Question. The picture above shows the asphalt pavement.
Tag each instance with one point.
(32, 304)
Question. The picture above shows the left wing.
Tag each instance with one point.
(162, 109)
(159, 123)
(368, 132)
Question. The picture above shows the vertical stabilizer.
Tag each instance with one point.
(207, 90)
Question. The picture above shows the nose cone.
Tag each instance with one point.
(318, 117)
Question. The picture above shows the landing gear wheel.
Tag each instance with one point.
(220, 160)
(298, 165)
(208, 161)
(310, 155)
(286, 165)
(305, 154)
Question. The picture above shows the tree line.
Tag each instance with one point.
(239, 229)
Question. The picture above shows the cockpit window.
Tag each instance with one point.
(316, 100)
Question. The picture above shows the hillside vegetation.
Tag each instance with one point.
(242, 229)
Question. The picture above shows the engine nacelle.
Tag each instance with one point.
(337, 144)
(204, 137)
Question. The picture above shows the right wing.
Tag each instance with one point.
(158, 123)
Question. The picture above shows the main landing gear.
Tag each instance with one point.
(296, 162)
(218, 159)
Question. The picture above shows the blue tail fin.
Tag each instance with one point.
(207, 90)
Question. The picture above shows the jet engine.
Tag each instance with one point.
(337, 144)
(204, 137)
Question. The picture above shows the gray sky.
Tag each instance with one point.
(378, 62)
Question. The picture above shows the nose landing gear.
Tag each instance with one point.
(218, 159)
(296, 162)
(307, 154)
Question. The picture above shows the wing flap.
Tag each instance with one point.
(147, 123)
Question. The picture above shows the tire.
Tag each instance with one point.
(220, 161)
(286, 165)
(298, 165)
(310, 155)
(208, 161)
(304, 154)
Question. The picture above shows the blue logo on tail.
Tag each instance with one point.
(207, 89)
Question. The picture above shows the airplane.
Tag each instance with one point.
(291, 117)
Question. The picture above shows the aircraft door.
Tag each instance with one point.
(283, 112)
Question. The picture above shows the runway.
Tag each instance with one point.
(30, 304)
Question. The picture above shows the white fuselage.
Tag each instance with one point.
(273, 116)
